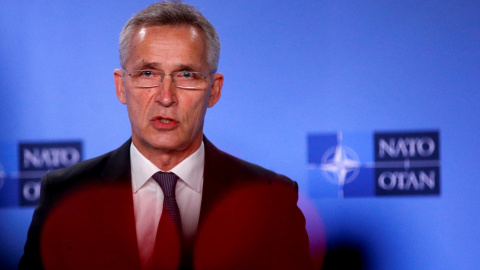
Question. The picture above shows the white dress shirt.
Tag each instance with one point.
(148, 198)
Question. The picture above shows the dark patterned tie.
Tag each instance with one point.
(167, 182)
(168, 244)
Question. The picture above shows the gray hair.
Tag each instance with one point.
(171, 13)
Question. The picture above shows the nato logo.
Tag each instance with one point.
(362, 165)
(36, 159)
(407, 163)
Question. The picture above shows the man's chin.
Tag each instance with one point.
(167, 144)
(170, 145)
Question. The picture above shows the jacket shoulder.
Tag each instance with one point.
(111, 166)
(240, 169)
(81, 168)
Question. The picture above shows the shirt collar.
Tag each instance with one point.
(190, 170)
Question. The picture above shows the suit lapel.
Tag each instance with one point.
(216, 179)
(117, 168)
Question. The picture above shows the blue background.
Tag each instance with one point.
(291, 69)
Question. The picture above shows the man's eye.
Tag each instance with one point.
(146, 73)
(186, 75)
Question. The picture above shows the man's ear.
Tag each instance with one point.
(216, 90)
(119, 86)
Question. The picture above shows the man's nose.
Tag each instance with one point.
(167, 91)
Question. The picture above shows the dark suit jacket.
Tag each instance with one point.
(85, 218)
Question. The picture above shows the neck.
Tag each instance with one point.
(166, 159)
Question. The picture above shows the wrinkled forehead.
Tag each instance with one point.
(168, 44)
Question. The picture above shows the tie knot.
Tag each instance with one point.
(167, 182)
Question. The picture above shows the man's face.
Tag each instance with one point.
(167, 119)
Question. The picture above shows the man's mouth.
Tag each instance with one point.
(164, 120)
(161, 122)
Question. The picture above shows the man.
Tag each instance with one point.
(167, 198)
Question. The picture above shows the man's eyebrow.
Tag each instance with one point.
(186, 67)
(144, 65)
(157, 66)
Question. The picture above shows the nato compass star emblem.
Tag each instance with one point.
(340, 165)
